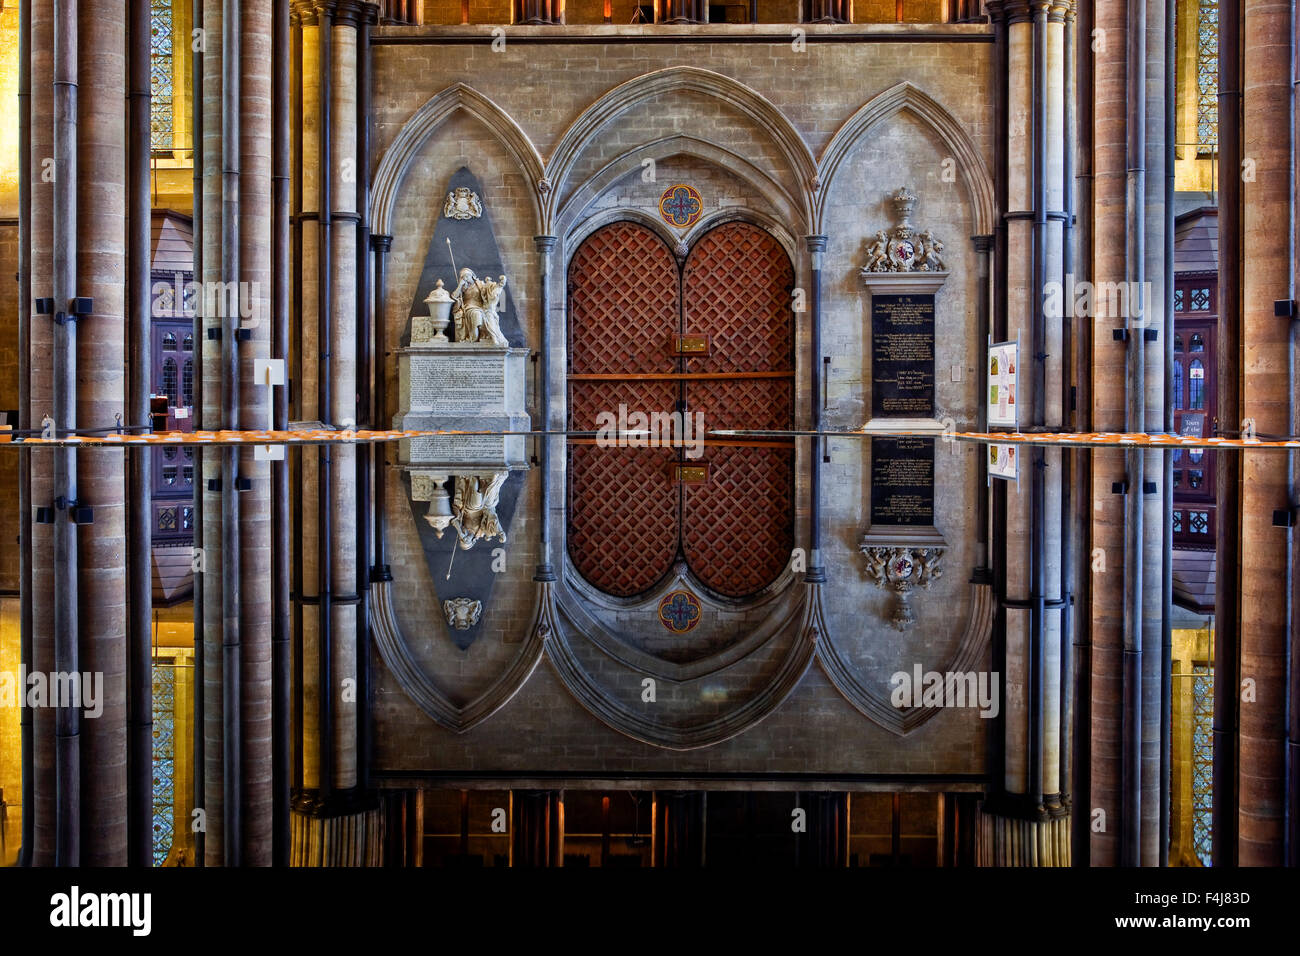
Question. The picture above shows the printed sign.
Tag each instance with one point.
(1003, 362)
(1004, 462)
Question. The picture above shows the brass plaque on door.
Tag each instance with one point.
(689, 474)
(691, 344)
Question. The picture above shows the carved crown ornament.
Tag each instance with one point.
(902, 249)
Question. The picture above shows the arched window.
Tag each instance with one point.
(160, 73)
(169, 380)
(187, 382)
(187, 343)
(1196, 378)
(169, 342)
(1178, 385)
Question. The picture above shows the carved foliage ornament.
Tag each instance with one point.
(902, 249)
(902, 569)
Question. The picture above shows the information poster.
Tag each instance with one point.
(1004, 462)
(1003, 363)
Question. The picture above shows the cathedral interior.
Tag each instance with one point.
(649, 433)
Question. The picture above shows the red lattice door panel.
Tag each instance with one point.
(738, 527)
(737, 288)
(624, 309)
(623, 516)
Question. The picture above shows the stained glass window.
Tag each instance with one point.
(164, 757)
(1178, 385)
(1202, 758)
(187, 383)
(160, 72)
(1207, 77)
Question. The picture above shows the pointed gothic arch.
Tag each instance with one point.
(419, 129)
(971, 169)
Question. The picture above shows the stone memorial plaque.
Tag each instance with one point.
(457, 449)
(902, 355)
(902, 481)
(450, 385)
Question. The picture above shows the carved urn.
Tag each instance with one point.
(439, 303)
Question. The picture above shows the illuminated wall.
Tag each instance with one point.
(1191, 717)
(1196, 85)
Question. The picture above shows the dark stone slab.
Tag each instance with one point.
(902, 481)
(902, 355)
(471, 573)
(475, 246)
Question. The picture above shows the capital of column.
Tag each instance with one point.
(1012, 11)
(381, 243)
(815, 243)
(982, 243)
(354, 12)
(1059, 10)
(544, 244)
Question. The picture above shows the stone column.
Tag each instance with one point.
(254, 407)
(545, 572)
(1127, 393)
(42, 358)
(1267, 384)
(101, 401)
(328, 549)
(1029, 825)
(237, 721)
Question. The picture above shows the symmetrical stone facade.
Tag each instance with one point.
(799, 142)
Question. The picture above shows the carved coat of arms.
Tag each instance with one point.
(462, 203)
(902, 250)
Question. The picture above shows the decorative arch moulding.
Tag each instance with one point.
(810, 177)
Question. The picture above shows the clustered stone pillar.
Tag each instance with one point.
(78, 130)
(1127, 514)
(236, 588)
(331, 805)
(1266, 396)
(1025, 820)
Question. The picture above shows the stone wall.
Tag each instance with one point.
(749, 135)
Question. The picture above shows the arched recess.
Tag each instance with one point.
(630, 515)
(420, 128)
(787, 207)
(587, 127)
(970, 165)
